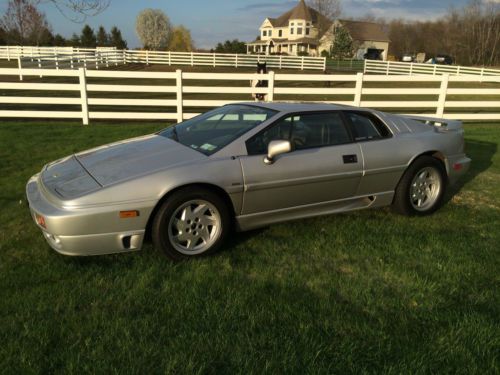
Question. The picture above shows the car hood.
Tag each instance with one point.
(136, 157)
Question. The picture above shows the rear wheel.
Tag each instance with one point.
(192, 222)
(421, 189)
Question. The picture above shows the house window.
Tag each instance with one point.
(308, 30)
(299, 30)
(292, 30)
(280, 33)
(264, 33)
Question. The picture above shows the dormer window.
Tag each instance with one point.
(264, 33)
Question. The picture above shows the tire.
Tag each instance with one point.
(421, 190)
(191, 223)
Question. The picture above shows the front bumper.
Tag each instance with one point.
(86, 231)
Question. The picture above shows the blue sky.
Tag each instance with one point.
(216, 20)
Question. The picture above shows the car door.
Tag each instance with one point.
(325, 164)
(384, 160)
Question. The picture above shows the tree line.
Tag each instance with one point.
(24, 24)
(470, 34)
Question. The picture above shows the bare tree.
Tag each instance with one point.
(330, 9)
(153, 28)
(24, 23)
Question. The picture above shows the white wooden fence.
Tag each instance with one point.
(51, 57)
(173, 94)
(404, 68)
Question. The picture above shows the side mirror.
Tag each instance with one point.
(276, 148)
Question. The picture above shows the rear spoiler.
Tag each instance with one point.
(440, 123)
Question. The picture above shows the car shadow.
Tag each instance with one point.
(481, 154)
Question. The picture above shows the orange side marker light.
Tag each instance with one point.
(128, 214)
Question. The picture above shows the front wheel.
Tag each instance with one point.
(421, 189)
(191, 223)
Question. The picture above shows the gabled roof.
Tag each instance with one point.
(360, 30)
(302, 12)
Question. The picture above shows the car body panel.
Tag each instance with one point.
(80, 197)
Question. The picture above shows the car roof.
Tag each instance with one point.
(297, 106)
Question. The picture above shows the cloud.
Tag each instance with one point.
(268, 6)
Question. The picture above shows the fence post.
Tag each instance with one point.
(83, 96)
(364, 68)
(147, 57)
(19, 65)
(40, 66)
(236, 60)
(124, 55)
(281, 61)
(8, 53)
(270, 96)
(458, 70)
(215, 63)
(57, 63)
(388, 68)
(180, 102)
(442, 95)
(302, 64)
(411, 68)
(324, 64)
(192, 59)
(359, 89)
(435, 70)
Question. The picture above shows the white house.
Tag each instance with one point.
(297, 31)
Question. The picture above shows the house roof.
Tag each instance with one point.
(301, 12)
(360, 30)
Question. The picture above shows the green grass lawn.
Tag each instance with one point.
(361, 292)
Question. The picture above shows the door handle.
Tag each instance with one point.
(350, 159)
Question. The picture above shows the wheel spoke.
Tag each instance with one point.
(182, 237)
(179, 225)
(200, 209)
(205, 234)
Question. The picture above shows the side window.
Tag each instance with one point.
(303, 131)
(366, 127)
(258, 144)
(317, 130)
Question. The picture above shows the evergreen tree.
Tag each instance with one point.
(231, 46)
(102, 37)
(116, 39)
(342, 47)
(59, 40)
(74, 41)
(88, 38)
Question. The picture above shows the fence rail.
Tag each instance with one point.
(105, 94)
(49, 56)
(404, 68)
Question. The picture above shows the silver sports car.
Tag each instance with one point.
(244, 165)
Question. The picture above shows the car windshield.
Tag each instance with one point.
(211, 131)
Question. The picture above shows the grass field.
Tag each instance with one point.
(362, 292)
